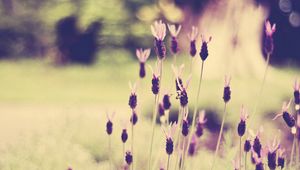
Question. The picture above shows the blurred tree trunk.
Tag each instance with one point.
(8, 7)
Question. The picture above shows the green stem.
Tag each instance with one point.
(155, 112)
(153, 129)
(240, 153)
(196, 105)
(109, 151)
(219, 138)
(168, 162)
(292, 152)
(261, 90)
(246, 161)
(132, 135)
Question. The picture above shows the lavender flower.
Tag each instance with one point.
(247, 145)
(192, 37)
(134, 117)
(258, 162)
(256, 146)
(200, 124)
(166, 102)
(128, 157)
(155, 81)
(272, 148)
(158, 30)
(142, 55)
(161, 109)
(296, 93)
(124, 135)
(242, 125)
(204, 51)
(269, 31)
(109, 124)
(174, 33)
(192, 146)
(185, 125)
(132, 98)
(281, 158)
(169, 138)
(287, 117)
(227, 91)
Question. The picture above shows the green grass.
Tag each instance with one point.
(54, 117)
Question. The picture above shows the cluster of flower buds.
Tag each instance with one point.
(297, 94)
(287, 117)
(193, 146)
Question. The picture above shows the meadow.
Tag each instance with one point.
(54, 117)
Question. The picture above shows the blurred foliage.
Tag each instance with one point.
(34, 18)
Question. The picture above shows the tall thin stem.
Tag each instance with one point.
(292, 152)
(219, 138)
(155, 110)
(168, 162)
(240, 153)
(196, 105)
(123, 150)
(245, 160)
(261, 90)
(132, 135)
(109, 151)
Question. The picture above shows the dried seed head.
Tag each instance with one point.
(124, 135)
(247, 145)
(204, 51)
(227, 91)
(269, 30)
(134, 117)
(128, 157)
(166, 102)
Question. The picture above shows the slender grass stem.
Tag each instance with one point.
(261, 90)
(240, 153)
(245, 160)
(153, 129)
(155, 110)
(292, 152)
(191, 64)
(219, 138)
(183, 156)
(168, 162)
(123, 150)
(177, 140)
(132, 136)
(195, 106)
(109, 152)
(174, 59)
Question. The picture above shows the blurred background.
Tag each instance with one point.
(65, 63)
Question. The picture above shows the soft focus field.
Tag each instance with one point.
(53, 117)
